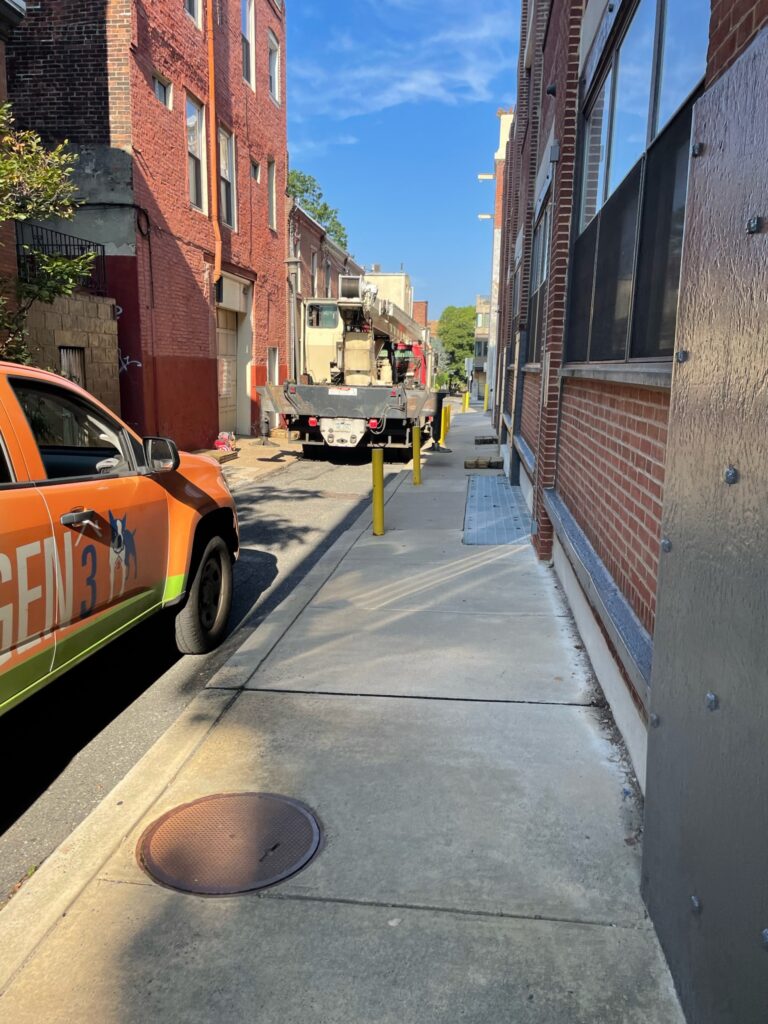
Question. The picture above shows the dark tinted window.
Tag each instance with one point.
(661, 242)
(614, 270)
(6, 476)
(74, 438)
(582, 283)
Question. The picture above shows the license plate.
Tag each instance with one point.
(342, 391)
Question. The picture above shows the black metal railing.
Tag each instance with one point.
(32, 239)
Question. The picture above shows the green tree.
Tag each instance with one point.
(35, 184)
(308, 194)
(456, 331)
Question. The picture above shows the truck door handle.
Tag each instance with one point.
(79, 518)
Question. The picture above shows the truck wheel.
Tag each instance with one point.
(202, 621)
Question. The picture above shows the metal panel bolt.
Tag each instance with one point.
(765, 938)
(731, 476)
(666, 545)
(713, 702)
(683, 355)
(697, 149)
(754, 225)
(696, 906)
(655, 721)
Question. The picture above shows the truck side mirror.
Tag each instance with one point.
(162, 454)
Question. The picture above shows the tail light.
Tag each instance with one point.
(313, 421)
(373, 424)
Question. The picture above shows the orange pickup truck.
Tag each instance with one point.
(98, 530)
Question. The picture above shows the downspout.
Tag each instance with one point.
(213, 145)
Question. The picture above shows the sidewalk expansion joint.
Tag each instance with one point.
(601, 704)
(641, 925)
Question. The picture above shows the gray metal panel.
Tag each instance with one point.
(496, 512)
(707, 797)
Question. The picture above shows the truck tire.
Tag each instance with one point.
(202, 621)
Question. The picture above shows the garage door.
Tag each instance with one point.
(226, 340)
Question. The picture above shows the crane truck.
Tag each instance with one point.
(364, 374)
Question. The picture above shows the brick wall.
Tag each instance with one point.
(611, 475)
(733, 26)
(421, 313)
(529, 419)
(561, 67)
(81, 321)
(178, 313)
(57, 70)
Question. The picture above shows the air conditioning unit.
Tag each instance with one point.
(350, 287)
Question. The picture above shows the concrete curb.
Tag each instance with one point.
(47, 897)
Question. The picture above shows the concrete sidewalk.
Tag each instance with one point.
(481, 857)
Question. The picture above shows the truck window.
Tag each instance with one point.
(322, 315)
(6, 476)
(74, 438)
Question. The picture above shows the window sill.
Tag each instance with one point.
(646, 375)
(532, 368)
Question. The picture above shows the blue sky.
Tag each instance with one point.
(392, 107)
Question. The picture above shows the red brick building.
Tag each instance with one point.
(630, 401)
(594, 200)
(178, 111)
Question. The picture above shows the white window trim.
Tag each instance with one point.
(252, 41)
(274, 47)
(203, 156)
(232, 146)
(197, 17)
(168, 84)
(272, 195)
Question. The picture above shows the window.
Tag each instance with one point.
(192, 7)
(75, 439)
(227, 177)
(6, 474)
(272, 195)
(72, 365)
(539, 274)
(483, 320)
(322, 315)
(163, 90)
(274, 67)
(247, 32)
(313, 272)
(196, 152)
(631, 106)
(595, 154)
(635, 147)
(256, 171)
(328, 283)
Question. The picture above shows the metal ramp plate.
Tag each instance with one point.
(496, 512)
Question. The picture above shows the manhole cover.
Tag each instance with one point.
(230, 843)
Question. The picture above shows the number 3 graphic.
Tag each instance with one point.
(89, 555)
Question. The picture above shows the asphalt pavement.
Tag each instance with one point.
(66, 747)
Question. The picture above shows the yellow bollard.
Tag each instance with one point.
(485, 397)
(378, 492)
(417, 456)
(446, 424)
(465, 407)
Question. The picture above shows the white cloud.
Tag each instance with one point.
(320, 146)
(408, 51)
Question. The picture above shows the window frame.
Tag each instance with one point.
(608, 66)
(272, 195)
(167, 85)
(196, 15)
(248, 15)
(274, 74)
(224, 183)
(202, 129)
(129, 444)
